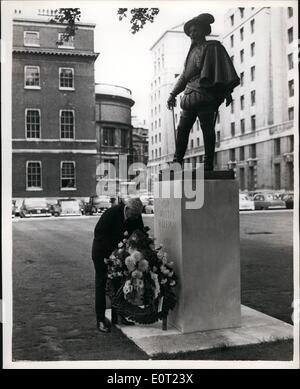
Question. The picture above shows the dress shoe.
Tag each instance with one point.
(102, 327)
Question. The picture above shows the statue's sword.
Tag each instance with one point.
(174, 128)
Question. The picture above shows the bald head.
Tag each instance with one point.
(133, 208)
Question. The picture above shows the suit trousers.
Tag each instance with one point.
(186, 122)
(100, 288)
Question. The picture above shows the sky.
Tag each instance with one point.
(125, 58)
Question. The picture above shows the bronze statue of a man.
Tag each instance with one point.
(207, 80)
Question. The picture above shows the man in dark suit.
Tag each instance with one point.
(109, 231)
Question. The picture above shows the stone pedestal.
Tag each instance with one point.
(205, 247)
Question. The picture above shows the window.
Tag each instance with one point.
(33, 123)
(242, 78)
(108, 136)
(242, 153)
(232, 19)
(231, 40)
(277, 176)
(290, 35)
(192, 143)
(198, 142)
(242, 12)
(252, 24)
(159, 152)
(277, 146)
(218, 119)
(242, 101)
(66, 78)
(242, 33)
(242, 178)
(290, 12)
(252, 72)
(67, 175)
(253, 97)
(152, 140)
(253, 122)
(123, 137)
(218, 136)
(232, 128)
(155, 153)
(291, 88)
(242, 126)
(232, 106)
(155, 138)
(232, 154)
(242, 55)
(31, 38)
(291, 113)
(232, 58)
(253, 151)
(66, 44)
(291, 143)
(291, 61)
(152, 154)
(32, 77)
(34, 175)
(159, 122)
(67, 124)
(252, 49)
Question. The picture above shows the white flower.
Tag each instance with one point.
(156, 282)
(163, 281)
(120, 245)
(126, 233)
(172, 283)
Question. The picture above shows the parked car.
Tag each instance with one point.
(267, 201)
(97, 204)
(288, 198)
(149, 208)
(67, 207)
(245, 203)
(34, 207)
(18, 204)
(13, 211)
(54, 208)
(145, 200)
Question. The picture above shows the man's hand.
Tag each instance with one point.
(171, 103)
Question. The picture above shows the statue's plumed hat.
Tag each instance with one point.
(203, 20)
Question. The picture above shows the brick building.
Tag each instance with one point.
(53, 111)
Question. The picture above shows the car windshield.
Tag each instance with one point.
(36, 203)
(244, 197)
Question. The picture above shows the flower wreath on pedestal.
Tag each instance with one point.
(140, 279)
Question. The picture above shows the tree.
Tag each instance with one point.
(70, 16)
(139, 17)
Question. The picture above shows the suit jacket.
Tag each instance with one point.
(109, 231)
